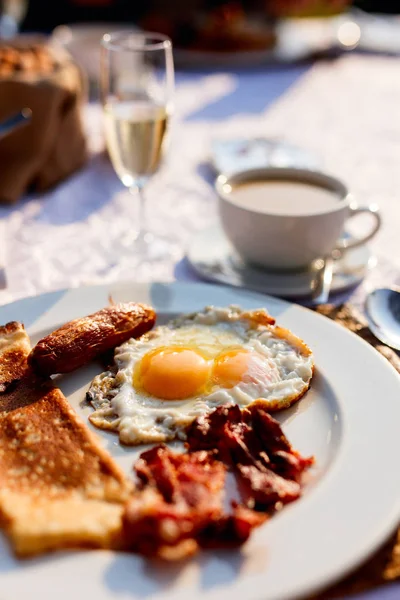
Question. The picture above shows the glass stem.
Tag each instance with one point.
(137, 191)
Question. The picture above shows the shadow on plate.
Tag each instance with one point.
(38, 305)
(210, 569)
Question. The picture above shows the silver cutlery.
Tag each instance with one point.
(16, 120)
(322, 283)
(382, 309)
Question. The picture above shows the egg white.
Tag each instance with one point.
(279, 373)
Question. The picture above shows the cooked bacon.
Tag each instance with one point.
(263, 489)
(180, 494)
(153, 527)
(182, 477)
(178, 507)
(230, 530)
(253, 445)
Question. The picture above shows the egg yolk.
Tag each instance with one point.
(230, 367)
(173, 373)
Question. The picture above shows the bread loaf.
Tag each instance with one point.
(52, 146)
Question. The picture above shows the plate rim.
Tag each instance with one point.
(391, 521)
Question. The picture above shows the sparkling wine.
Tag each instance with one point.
(135, 133)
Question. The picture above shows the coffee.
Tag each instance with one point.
(284, 197)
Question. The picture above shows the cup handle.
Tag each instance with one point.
(373, 210)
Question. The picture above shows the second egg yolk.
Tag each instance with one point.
(173, 373)
(230, 367)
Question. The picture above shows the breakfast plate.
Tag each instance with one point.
(212, 257)
(348, 420)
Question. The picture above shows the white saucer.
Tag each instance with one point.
(213, 258)
(234, 155)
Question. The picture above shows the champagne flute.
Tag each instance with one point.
(137, 83)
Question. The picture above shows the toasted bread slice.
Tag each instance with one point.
(58, 487)
(14, 347)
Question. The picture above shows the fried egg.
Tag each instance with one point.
(179, 371)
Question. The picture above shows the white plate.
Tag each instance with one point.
(349, 420)
(213, 258)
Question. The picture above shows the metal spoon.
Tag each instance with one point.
(382, 309)
(321, 286)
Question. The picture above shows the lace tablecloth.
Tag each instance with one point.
(346, 112)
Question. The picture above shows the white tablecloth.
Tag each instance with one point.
(346, 112)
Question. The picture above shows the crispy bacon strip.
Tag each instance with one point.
(178, 507)
(179, 495)
(230, 530)
(253, 445)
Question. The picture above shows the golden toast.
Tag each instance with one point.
(58, 487)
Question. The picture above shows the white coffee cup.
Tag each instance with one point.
(288, 239)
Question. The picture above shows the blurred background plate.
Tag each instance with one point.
(286, 41)
(295, 40)
(289, 40)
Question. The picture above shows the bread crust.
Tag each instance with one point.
(14, 348)
(78, 342)
(58, 486)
